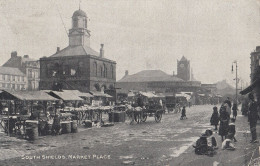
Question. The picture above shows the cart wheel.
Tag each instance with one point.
(158, 116)
(143, 116)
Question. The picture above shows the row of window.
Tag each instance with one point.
(103, 70)
(13, 86)
(12, 78)
(33, 73)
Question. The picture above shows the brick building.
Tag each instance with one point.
(26, 65)
(12, 78)
(78, 66)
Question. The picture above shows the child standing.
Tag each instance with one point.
(232, 129)
(183, 113)
(215, 118)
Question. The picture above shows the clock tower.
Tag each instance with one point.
(183, 69)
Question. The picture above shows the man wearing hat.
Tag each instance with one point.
(252, 116)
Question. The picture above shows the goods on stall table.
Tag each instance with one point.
(74, 126)
(32, 129)
(65, 127)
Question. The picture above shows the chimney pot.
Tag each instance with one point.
(102, 51)
(26, 56)
(58, 49)
(126, 72)
(13, 54)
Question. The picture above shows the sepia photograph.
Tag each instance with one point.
(129, 82)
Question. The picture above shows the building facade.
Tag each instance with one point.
(183, 69)
(157, 81)
(78, 67)
(255, 63)
(28, 66)
(12, 79)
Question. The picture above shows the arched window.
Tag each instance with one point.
(112, 71)
(95, 68)
(75, 23)
(97, 87)
(101, 71)
(105, 71)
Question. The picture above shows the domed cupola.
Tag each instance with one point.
(79, 34)
(79, 13)
(79, 19)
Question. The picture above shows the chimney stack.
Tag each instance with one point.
(58, 49)
(13, 54)
(102, 51)
(26, 56)
(126, 72)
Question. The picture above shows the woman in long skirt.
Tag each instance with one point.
(234, 109)
(223, 127)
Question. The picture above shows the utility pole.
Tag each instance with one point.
(236, 78)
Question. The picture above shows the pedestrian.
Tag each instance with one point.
(253, 116)
(183, 113)
(56, 125)
(211, 140)
(228, 109)
(232, 129)
(214, 120)
(234, 109)
(224, 119)
(227, 101)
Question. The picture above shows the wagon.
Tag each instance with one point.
(151, 108)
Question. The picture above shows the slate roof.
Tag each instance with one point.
(11, 71)
(150, 76)
(77, 51)
(65, 95)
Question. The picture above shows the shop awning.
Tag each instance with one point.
(29, 95)
(250, 87)
(65, 95)
(148, 94)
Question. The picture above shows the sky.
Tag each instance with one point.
(141, 34)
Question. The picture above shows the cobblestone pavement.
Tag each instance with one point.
(150, 143)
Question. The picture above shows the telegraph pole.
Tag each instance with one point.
(236, 78)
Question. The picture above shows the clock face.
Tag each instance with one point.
(182, 65)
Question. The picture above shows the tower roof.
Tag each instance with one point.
(183, 59)
(79, 13)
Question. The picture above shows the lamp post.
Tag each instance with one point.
(235, 62)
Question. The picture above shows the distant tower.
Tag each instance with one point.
(79, 34)
(183, 69)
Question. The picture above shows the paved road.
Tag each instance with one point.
(149, 143)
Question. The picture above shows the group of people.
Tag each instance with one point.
(226, 124)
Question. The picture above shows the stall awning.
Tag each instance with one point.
(98, 94)
(66, 95)
(30, 95)
(78, 93)
(148, 94)
(250, 87)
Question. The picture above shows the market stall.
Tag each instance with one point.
(20, 106)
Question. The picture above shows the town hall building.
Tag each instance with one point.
(78, 66)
